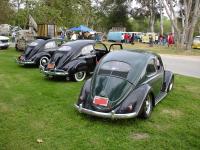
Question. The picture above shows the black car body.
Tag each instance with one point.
(39, 52)
(125, 84)
(76, 58)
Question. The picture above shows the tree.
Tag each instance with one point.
(150, 9)
(5, 12)
(190, 13)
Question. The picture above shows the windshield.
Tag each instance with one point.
(65, 48)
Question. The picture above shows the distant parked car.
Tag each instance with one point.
(125, 84)
(75, 59)
(196, 42)
(4, 42)
(39, 52)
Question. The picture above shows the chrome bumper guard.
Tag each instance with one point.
(24, 62)
(111, 115)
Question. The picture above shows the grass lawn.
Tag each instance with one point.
(160, 49)
(32, 108)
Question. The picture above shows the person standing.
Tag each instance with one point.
(73, 37)
(170, 40)
(150, 40)
(122, 38)
(62, 36)
(132, 38)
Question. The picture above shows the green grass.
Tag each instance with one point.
(33, 108)
(160, 49)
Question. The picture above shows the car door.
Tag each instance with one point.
(100, 50)
(117, 46)
(87, 53)
(155, 75)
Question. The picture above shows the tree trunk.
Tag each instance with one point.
(193, 24)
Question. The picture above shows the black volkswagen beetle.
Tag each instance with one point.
(125, 84)
(39, 52)
(76, 58)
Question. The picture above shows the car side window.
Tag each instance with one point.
(87, 49)
(151, 67)
(49, 45)
(158, 64)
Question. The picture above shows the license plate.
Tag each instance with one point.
(102, 101)
(50, 66)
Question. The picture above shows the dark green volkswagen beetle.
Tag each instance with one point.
(125, 84)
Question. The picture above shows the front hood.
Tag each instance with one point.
(30, 52)
(113, 88)
(61, 58)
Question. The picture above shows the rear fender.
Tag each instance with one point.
(135, 98)
(37, 57)
(168, 77)
(84, 92)
(75, 66)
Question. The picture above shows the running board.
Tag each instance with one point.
(160, 97)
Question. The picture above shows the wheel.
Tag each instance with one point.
(146, 107)
(44, 61)
(79, 76)
(171, 85)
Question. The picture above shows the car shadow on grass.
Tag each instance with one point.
(107, 121)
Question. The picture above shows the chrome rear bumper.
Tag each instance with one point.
(111, 115)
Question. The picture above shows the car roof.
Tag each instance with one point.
(137, 59)
(79, 43)
(130, 56)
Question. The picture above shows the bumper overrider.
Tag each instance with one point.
(25, 62)
(111, 115)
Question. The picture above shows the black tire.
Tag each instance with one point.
(146, 108)
(171, 85)
(44, 60)
(79, 76)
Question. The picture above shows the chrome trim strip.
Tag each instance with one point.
(111, 115)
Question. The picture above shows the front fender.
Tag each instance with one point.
(135, 98)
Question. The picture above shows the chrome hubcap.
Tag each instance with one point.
(170, 86)
(148, 105)
(79, 76)
(44, 61)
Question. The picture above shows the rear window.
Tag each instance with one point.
(115, 68)
(65, 48)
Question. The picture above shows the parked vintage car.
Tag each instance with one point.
(196, 42)
(76, 58)
(39, 52)
(4, 42)
(125, 84)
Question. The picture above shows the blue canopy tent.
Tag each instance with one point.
(81, 28)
